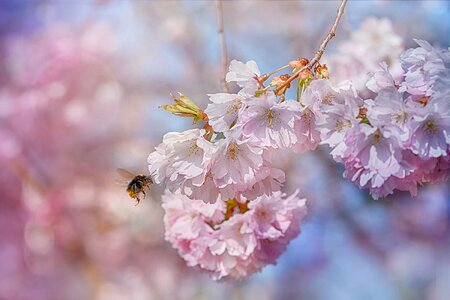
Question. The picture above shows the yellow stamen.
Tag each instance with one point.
(270, 117)
(233, 150)
(431, 127)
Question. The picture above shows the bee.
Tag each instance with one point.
(137, 183)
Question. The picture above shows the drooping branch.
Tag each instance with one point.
(321, 50)
(223, 45)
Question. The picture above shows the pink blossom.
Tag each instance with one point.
(225, 212)
(236, 160)
(373, 155)
(320, 93)
(205, 188)
(334, 123)
(326, 110)
(269, 123)
(390, 109)
(159, 163)
(308, 137)
(266, 185)
(422, 67)
(440, 171)
(380, 79)
(416, 172)
(266, 180)
(242, 73)
(431, 132)
(236, 247)
(182, 157)
(401, 137)
(334, 108)
(224, 110)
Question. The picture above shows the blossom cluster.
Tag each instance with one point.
(226, 169)
(399, 137)
(225, 211)
(232, 247)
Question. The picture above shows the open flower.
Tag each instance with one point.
(306, 132)
(380, 79)
(265, 185)
(242, 73)
(335, 121)
(269, 123)
(236, 160)
(373, 156)
(326, 114)
(431, 131)
(224, 110)
(182, 156)
(390, 109)
(319, 93)
(422, 67)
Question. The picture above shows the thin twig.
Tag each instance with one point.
(223, 45)
(321, 50)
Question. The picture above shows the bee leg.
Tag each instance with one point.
(143, 192)
(137, 200)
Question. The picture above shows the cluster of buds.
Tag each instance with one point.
(298, 63)
(282, 83)
(184, 107)
(321, 71)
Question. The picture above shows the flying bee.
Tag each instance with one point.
(137, 184)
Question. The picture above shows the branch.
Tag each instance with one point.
(223, 45)
(321, 50)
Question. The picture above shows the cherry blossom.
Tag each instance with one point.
(431, 132)
(181, 157)
(225, 209)
(242, 73)
(422, 66)
(224, 110)
(237, 246)
(236, 160)
(269, 123)
(400, 138)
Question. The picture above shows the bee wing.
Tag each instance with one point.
(125, 173)
(122, 182)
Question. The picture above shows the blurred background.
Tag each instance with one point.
(80, 86)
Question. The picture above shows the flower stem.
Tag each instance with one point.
(277, 70)
(322, 47)
(223, 45)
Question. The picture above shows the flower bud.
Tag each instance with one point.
(263, 78)
(184, 107)
(306, 75)
(322, 71)
(279, 80)
(298, 63)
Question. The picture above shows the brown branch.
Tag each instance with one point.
(223, 45)
(321, 50)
